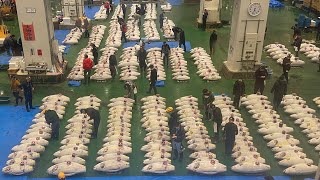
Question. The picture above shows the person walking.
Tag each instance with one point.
(212, 42)
(286, 66)
(153, 79)
(107, 7)
(142, 57)
(216, 117)
(8, 44)
(86, 27)
(207, 99)
(297, 44)
(123, 30)
(87, 65)
(15, 88)
(27, 88)
(161, 18)
(177, 136)
(165, 51)
(173, 118)
(279, 89)
(230, 132)
(52, 119)
(261, 74)
(95, 53)
(131, 89)
(95, 116)
(204, 19)
(182, 40)
(113, 65)
(239, 89)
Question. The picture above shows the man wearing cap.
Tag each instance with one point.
(61, 176)
(177, 136)
(153, 79)
(27, 88)
(52, 118)
(216, 117)
(173, 117)
(230, 132)
(207, 99)
(261, 75)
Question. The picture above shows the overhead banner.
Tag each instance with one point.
(28, 32)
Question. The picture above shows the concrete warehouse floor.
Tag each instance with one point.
(304, 81)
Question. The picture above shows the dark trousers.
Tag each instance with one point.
(153, 86)
(95, 59)
(55, 133)
(286, 75)
(161, 24)
(108, 11)
(229, 146)
(28, 102)
(113, 71)
(276, 102)
(166, 59)
(184, 45)
(86, 33)
(206, 111)
(236, 101)
(318, 36)
(204, 24)
(95, 129)
(123, 36)
(87, 74)
(17, 97)
(258, 86)
(143, 68)
(90, 3)
(175, 36)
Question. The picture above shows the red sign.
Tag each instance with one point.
(28, 32)
(39, 52)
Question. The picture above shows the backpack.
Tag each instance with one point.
(87, 64)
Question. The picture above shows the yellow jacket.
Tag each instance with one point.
(15, 85)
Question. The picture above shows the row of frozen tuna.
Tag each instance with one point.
(202, 60)
(167, 7)
(114, 37)
(77, 72)
(70, 158)
(167, 28)
(101, 14)
(129, 64)
(247, 159)
(198, 139)
(151, 11)
(73, 36)
(113, 156)
(179, 65)
(154, 58)
(158, 148)
(133, 28)
(23, 157)
(310, 50)
(102, 70)
(278, 52)
(304, 117)
(274, 130)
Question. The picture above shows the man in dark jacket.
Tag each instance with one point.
(286, 66)
(142, 56)
(216, 117)
(8, 44)
(207, 99)
(204, 19)
(182, 40)
(297, 44)
(239, 89)
(213, 40)
(279, 89)
(95, 116)
(124, 10)
(27, 88)
(161, 18)
(153, 79)
(261, 74)
(94, 51)
(52, 118)
(113, 65)
(176, 31)
(165, 50)
(173, 118)
(230, 132)
(178, 135)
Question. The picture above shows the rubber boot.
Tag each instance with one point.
(180, 156)
(175, 154)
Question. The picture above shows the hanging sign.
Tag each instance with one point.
(28, 32)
